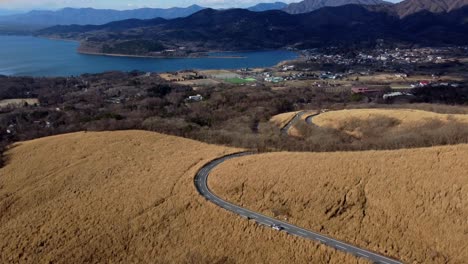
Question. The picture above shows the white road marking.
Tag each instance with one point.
(338, 246)
(363, 255)
(321, 240)
(302, 233)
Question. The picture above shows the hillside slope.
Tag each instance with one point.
(128, 197)
(410, 7)
(409, 204)
(267, 6)
(238, 29)
(307, 6)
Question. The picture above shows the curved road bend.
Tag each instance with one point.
(288, 126)
(309, 118)
(201, 183)
(296, 118)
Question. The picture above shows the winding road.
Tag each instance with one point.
(201, 183)
(294, 120)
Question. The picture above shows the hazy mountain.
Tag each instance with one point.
(268, 6)
(240, 29)
(90, 16)
(5, 12)
(410, 7)
(311, 5)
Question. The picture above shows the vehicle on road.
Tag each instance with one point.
(277, 227)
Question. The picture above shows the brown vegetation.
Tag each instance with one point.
(128, 197)
(365, 129)
(408, 204)
(403, 118)
(282, 120)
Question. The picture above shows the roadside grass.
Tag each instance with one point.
(408, 204)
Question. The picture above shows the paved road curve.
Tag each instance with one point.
(297, 118)
(287, 127)
(309, 119)
(201, 183)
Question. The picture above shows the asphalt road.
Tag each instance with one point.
(288, 126)
(309, 120)
(201, 183)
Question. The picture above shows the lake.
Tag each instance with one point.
(31, 56)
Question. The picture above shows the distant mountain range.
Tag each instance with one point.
(4, 12)
(268, 6)
(239, 29)
(307, 6)
(90, 16)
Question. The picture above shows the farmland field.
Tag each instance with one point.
(240, 80)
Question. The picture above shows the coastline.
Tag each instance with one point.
(214, 59)
(58, 39)
(159, 57)
(200, 55)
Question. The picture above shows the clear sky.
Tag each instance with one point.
(129, 4)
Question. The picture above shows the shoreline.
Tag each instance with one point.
(158, 57)
(58, 39)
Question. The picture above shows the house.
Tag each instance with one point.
(288, 67)
(194, 98)
(401, 75)
(364, 90)
(274, 79)
(329, 75)
(395, 94)
(424, 83)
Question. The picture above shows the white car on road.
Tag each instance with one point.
(276, 227)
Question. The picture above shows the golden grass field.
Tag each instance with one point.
(18, 102)
(294, 131)
(409, 204)
(379, 78)
(282, 120)
(401, 119)
(129, 197)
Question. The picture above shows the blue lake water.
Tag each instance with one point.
(20, 55)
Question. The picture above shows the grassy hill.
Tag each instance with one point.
(409, 204)
(377, 129)
(128, 197)
(368, 123)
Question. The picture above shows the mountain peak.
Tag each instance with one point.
(307, 6)
(410, 7)
(268, 6)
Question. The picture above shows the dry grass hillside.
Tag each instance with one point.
(128, 197)
(409, 204)
(374, 129)
(388, 119)
(282, 120)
